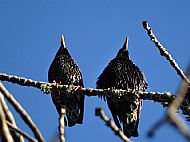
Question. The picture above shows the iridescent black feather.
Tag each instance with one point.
(122, 73)
(64, 70)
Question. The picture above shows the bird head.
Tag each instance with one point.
(63, 49)
(123, 52)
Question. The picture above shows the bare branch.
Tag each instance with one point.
(99, 112)
(156, 126)
(164, 52)
(55, 137)
(48, 87)
(10, 118)
(171, 115)
(61, 125)
(17, 130)
(175, 121)
(4, 131)
(165, 97)
(180, 125)
(22, 113)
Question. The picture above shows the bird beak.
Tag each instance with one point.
(62, 41)
(125, 46)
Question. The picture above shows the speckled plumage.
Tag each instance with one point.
(122, 73)
(64, 70)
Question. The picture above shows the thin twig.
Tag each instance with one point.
(61, 124)
(10, 118)
(164, 52)
(156, 126)
(17, 130)
(99, 112)
(55, 137)
(22, 113)
(4, 130)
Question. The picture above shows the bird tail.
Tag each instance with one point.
(73, 118)
(80, 119)
(130, 126)
(75, 110)
(131, 129)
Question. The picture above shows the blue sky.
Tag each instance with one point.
(94, 31)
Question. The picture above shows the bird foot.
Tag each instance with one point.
(56, 83)
(77, 88)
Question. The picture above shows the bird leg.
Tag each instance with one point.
(77, 88)
(56, 83)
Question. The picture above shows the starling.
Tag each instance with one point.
(65, 71)
(122, 73)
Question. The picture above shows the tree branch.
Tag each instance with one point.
(4, 131)
(99, 112)
(70, 89)
(164, 52)
(22, 113)
(171, 115)
(61, 125)
(165, 97)
(17, 130)
(10, 118)
(156, 126)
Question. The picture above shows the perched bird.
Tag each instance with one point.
(64, 70)
(122, 73)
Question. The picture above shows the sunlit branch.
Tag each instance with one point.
(164, 52)
(10, 119)
(22, 113)
(69, 89)
(171, 115)
(4, 130)
(17, 130)
(176, 103)
(165, 97)
(111, 124)
(61, 125)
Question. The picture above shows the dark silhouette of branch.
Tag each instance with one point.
(164, 52)
(55, 137)
(17, 130)
(186, 104)
(171, 115)
(173, 118)
(10, 119)
(22, 113)
(61, 125)
(4, 130)
(99, 112)
(156, 126)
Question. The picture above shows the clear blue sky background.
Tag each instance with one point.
(94, 31)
